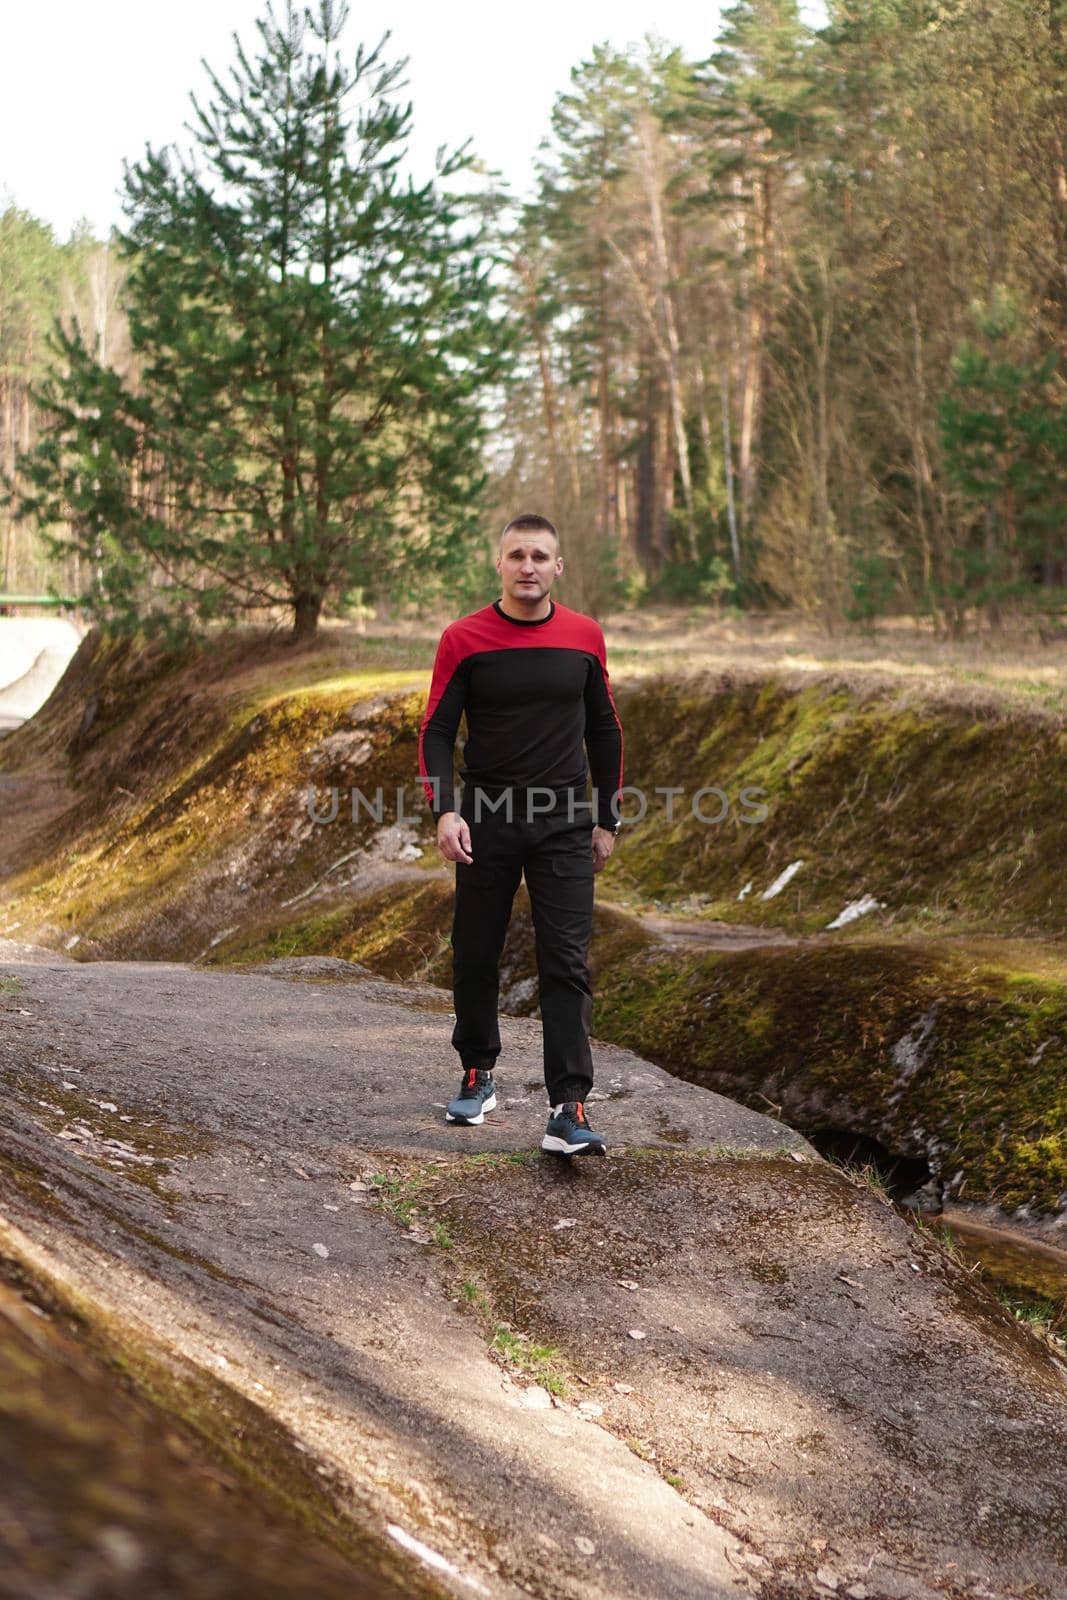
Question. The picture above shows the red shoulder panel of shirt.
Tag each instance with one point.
(488, 630)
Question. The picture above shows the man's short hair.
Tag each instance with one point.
(531, 522)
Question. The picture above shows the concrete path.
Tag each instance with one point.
(195, 1154)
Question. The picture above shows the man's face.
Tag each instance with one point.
(528, 563)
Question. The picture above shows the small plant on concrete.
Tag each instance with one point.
(1044, 1318)
(641, 1447)
(867, 1175)
(942, 1235)
(397, 1196)
(532, 1358)
(473, 1295)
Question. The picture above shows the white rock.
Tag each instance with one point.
(636, 1333)
(321, 1250)
(431, 1557)
(591, 1408)
(746, 890)
(586, 1546)
(536, 1397)
(784, 877)
(565, 1222)
(854, 909)
(121, 1549)
(623, 1388)
(828, 1579)
(627, 1283)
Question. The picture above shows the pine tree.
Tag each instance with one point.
(577, 209)
(313, 333)
(758, 105)
(1003, 421)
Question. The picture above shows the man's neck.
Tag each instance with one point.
(530, 611)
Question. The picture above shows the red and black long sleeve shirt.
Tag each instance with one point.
(533, 693)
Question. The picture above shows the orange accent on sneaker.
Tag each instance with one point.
(580, 1107)
(472, 1075)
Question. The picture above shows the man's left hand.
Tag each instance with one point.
(603, 845)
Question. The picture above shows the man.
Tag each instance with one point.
(531, 676)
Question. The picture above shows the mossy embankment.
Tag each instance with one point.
(186, 780)
(936, 1025)
(917, 1045)
(950, 812)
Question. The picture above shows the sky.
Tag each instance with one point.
(89, 85)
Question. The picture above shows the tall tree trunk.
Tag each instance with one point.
(605, 444)
(992, 606)
(1057, 14)
(622, 503)
(753, 381)
(824, 532)
(645, 474)
(548, 389)
(7, 385)
(664, 484)
(672, 349)
(728, 468)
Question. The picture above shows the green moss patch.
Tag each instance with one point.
(201, 793)
(954, 817)
(409, 1193)
(915, 1044)
(400, 931)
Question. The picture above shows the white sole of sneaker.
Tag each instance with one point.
(470, 1122)
(559, 1147)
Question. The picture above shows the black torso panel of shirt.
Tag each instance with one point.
(535, 703)
(526, 717)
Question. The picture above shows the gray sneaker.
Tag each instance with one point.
(476, 1096)
(569, 1134)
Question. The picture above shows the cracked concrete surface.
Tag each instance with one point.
(241, 1248)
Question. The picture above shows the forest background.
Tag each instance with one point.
(782, 327)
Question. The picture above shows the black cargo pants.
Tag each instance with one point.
(554, 850)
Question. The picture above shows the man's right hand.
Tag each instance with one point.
(454, 837)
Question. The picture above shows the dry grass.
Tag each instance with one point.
(1013, 666)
